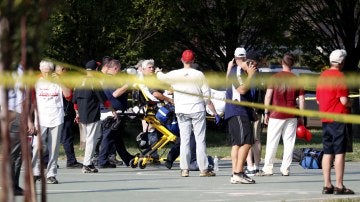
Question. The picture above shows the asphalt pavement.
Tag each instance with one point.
(157, 183)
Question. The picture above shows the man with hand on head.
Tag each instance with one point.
(239, 118)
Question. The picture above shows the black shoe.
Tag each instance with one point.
(156, 161)
(112, 159)
(127, 161)
(89, 169)
(52, 180)
(18, 191)
(74, 165)
(168, 164)
(343, 191)
(37, 178)
(107, 165)
(328, 190)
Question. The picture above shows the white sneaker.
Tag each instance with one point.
(241, 179)
(184, 173)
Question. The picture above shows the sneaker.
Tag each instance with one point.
(207, 173)
(107, 165)
(52, 180)
(74, 165)
(343, 191)
(112, 159)
(241, 178)
(328, 190)
(37, 178)
(262, 173)
(116, 162)
(286, 173)
(184, 173)
(251, 172)
(89, 169)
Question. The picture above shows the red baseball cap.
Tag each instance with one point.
(188, 56)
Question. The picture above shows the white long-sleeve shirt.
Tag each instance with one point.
(191, 90)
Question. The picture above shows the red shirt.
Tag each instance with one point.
(331, 86)
(284, 94)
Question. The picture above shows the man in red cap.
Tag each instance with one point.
(191, 93)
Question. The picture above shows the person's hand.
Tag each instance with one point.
(217, 119)
(30, 128)
(251, 70)
(77, 118)
(115, 115)
(157, 69)
(266, 118)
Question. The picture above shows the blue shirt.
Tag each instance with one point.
(118, 103)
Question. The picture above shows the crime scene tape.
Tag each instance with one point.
(345, 118)
(216, 80)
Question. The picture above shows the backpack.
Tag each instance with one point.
(311, 159)
(166, 115)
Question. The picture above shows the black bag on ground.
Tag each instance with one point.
(298, 154)
(312, 158)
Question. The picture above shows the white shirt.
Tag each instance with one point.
(49, 103)
(189, 88)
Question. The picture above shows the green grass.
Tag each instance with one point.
(218, 144)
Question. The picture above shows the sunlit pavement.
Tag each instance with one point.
(157, 183)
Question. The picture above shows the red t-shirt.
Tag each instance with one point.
(284, 93)
(331, 86)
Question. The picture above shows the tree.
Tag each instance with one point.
(83, 30)
(321, 26)
(213, 29)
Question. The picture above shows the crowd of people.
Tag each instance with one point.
(94, 103)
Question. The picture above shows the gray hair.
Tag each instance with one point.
(147, 62)
(46, 65)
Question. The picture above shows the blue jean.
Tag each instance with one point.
(110, 139)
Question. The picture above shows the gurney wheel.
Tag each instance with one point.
(133, 164)
(142, 164)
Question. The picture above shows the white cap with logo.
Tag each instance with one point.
(337, 56)
(240, 53)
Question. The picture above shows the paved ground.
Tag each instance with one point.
(157, 183)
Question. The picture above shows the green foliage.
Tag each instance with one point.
(322, 26)
(83, 30)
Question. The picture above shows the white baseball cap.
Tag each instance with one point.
(240, 53)
(337, 56)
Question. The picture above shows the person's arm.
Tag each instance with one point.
(245, 86)
(267, 101)
(169, 77)
(230, 65)
(160, 96)
(301, 107)
(65, 90)
(345, 101)
(119, 91)
(102, 98)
